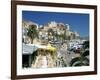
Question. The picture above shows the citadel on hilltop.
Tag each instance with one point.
(52, 31)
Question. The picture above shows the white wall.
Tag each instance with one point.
(5, 32)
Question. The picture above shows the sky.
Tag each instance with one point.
(78, 21)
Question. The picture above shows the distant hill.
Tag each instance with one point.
(85, 38)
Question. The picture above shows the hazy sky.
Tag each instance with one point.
(78, 22)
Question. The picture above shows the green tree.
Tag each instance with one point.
(86, 44)
(50, 33)
(83, 59)
(32, 32)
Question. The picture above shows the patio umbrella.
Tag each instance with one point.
(51, 48)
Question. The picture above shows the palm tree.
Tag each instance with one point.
(56, 35)
(32, 32)
(50, 33)
(86, 44)
(83, 59)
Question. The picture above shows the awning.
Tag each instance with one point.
(28, 49)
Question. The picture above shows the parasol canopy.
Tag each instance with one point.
(51, 48)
